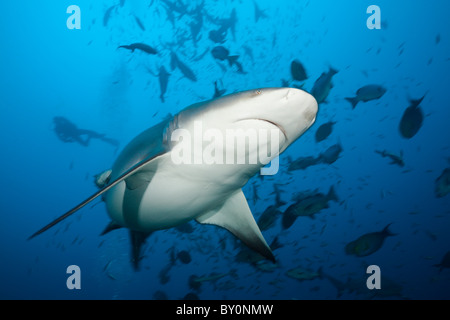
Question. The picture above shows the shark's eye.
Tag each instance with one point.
(258, 92)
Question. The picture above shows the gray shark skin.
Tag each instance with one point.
(148, 191)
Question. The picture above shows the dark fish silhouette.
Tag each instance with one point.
(330, 155)
(108, 15)
(443, 184)
(303, 163)
(218, 92)
(184, 256)
(324, 131)
(298, 72)
(163, 77)
(323, 85)
(185, 70)
(309, 205)
(139, 23)
(412, 119)
(258, 12)
(368, 243)
(268, 218)
(445, 263)
(218, 36)
(395, 159)
(140, 46)
(367, 93)
(223, 54)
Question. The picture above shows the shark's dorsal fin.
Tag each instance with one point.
(124, 176)
(236, 217)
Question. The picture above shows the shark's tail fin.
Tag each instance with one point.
(354, 101)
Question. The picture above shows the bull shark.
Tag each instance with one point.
(148, 191)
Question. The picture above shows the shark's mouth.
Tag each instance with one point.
(270, 122)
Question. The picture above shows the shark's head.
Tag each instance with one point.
(288, 112)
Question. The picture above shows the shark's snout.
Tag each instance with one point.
(310, 111)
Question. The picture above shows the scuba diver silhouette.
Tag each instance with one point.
(68, 132)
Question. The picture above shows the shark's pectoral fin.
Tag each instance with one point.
(126, 175)
(236, 217)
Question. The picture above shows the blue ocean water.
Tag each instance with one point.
(49, 70)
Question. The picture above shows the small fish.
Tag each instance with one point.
(298, 72)
(308, 206)
(223, 54)
(395, 159)
(323, 85)
(108, 15)
(266, 266)
(367, 93)
(268, 218)
(140, 46)
(368, 243)
(218, 36)
(185, 70)
(255, 193)
(106, 267)
(185, 228)
(163, 274)
(288, 219)
(184, 256)
(324, 131)
(438, 38)
(445, 262)
(443, 184)
(218, 92)
(412, 119)
(248, 52)
(139, 23)
(303, 274)
(302, 163)
(330, 155)
(258, 12)
(163, 77)
(111, 276)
